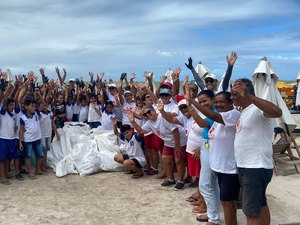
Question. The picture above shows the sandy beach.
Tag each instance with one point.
(115, 198)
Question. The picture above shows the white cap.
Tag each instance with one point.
(126, 93)
(182, 102)
(211, 75)
(112, 85)
(72, 79)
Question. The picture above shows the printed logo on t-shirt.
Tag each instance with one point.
(238, 126)
(211, 132)
(131, 143)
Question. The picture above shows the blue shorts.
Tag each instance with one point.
(136, 162)
(36, 146)
(254, 182)
(8, 149)
(46, 144)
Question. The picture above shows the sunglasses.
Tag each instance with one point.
(209, 81)
(147, 113)
(164, 95)
(182, 107)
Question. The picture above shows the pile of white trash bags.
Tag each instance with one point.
(83, 151)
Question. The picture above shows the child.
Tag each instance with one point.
(94, 113)
(8, 146)
(47, 124)
(30, 137)
(134, 158)
(107, 116)
(60, 110)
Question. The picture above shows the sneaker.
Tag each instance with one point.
(19, 177)
(152, 171)
(168, 183)
(179, 185)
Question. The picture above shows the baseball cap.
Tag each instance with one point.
(127, 93)
(166, 84)
(211, 75)
(182, 102)
(165, 91)
(72, 80)
(112, 85)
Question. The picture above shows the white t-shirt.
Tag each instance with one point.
(164, 130)
(76, 108)
(32, 128)
(83, 114)
(106, 120)
(171, 107)
(127, 106)
(134, 148)
(92, 115)
(7, 125)
(193, 131)
(46, 124)
(253, 139)
(69, 109)
(221, 151)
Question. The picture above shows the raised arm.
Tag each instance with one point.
(196, 76)
(167, 115)
(176, 82)
(269, 109)
(120, 92)
(230, 62)
(138, 128)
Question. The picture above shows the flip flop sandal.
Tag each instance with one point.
(136, 176)
(192, 198)
(195, 203)
(202, 218)
(199, 210)
(32, 177)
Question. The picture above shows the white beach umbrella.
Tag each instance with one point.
(168, 74)
(202, 70)
(298, 90)
(264, 81)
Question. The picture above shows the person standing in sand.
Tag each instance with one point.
(253, 149)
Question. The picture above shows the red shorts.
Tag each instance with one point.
(149, 141)
(193, 166)
(171, 152)
(158, 143)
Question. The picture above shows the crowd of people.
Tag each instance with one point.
(204, 135)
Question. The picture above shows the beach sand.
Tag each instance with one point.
(115, 198)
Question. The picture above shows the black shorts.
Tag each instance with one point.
(229, 186)
(136, 162)
(254, 182)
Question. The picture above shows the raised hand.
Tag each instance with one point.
(159, 105)
(232, 59)
(176, 73)
(162, 79)
(101, 75)
(239, 88)
(132, 76)
(186, 79)
(187, 95)
(65, 72)
(119, 84)
(42, 71)
(91, 74)
(190, 63)
(57, 70)
(130, 116)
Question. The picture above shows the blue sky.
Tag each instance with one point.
(134, 36)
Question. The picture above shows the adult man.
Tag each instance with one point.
(253, 149)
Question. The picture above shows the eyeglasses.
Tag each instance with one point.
(182, 107)
(164, 95)
(147, 113)
(209, 81)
